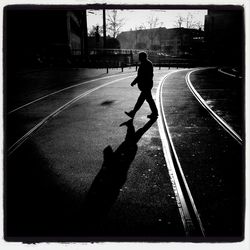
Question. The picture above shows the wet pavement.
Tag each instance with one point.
(83, 176)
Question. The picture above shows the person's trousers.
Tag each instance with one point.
(146, 95)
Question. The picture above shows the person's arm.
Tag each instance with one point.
(137, 78)
(134, 82)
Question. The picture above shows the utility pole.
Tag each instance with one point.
(104, 28)
(84, 38)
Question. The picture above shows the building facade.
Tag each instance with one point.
(37, 36)
(173, 42)
(224, 36)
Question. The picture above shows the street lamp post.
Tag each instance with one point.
(104, 28)
(84, 38)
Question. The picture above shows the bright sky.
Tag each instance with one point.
(135, 18)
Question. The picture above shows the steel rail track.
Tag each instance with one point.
(20, 141)
(189, 214)
(67, 88)
(61, 90)
(217, 118)
(226, 73)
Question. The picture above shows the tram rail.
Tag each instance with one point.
(27, 135)
(217, 118)
(61, 90)
(188, 211)
(189, 214)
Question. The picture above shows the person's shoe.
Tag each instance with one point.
(131, 114)
(153, 116)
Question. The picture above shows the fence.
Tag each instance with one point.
(121, 58)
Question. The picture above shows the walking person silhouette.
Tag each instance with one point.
(144, 81)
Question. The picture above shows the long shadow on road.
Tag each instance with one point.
(39, 207)
(107, 184)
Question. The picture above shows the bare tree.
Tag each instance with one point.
(199, 25)
(91, 32)
(179, 21)
(153, 22)
(189, 21)
(114, 23)
(96, 29)
(141, 27)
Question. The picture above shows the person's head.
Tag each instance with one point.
(143, 56)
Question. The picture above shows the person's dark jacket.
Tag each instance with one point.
(145, 75)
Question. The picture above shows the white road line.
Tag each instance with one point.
(223, 124)
(61, 90)
(19, 142)
(174, 165)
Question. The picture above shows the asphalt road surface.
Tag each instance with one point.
(77, 167)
